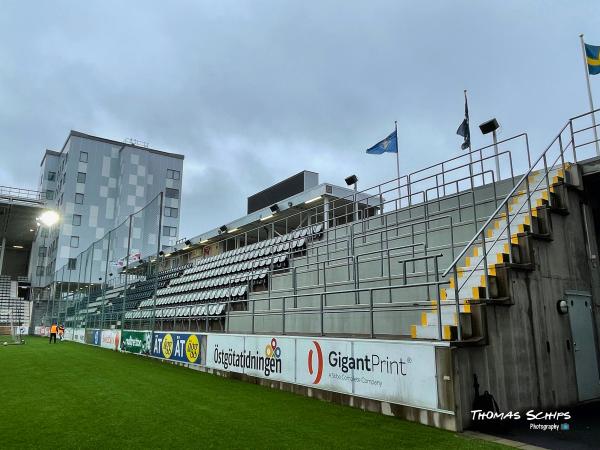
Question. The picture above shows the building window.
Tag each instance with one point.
(172, 193)
(39, 271)
(44, 233)
(51, 176)
(42, 252)
(79, 199)
(72, 263)
(169, 231)
(49, 195)
(83, 156)
(173, 174)
(171, 212)
(74, 241)
(76, 220)
(80, 177)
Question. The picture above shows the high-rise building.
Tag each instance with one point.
(95, 184)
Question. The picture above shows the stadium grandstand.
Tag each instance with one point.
(20, 210)
(479, 271)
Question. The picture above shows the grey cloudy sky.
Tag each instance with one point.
(254, 91)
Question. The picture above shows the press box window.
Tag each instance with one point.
(51, 176)
(76, 220)
(74, 241)
(42, 252)
(173, 174)
(83, 156)
(172, 193)
(72, 264)
(49, 195)
(80, 177)
(79, 199)
(169, 231)
(39, 271)
(171, 212)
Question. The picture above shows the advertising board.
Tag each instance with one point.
(183, 347)
(111, 339)
(136, 341)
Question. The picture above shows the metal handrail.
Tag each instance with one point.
(523, 179)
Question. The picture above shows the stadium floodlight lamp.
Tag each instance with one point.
(312, 200)
(274, 208)
(161, 253)
(489, 126)
(222, 228)
(49, 218)
(188, 242)
(352, 179)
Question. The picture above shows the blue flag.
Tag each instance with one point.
(389, 145)
(592, 53)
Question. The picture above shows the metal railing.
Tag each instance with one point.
(18, 194)
(543, 166)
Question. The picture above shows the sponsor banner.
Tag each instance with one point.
(259, 356)
(68, 334)
(41, 331)
(79, 335)
(111, 339)
(93, 336)
(182, 347)
(397, 372)
(391, 371)
(136, 341)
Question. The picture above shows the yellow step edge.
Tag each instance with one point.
(545, 194)
(489, 233)
(413, 331)
(475, 292)
(446, 333)
(534, 212)
(476, 252)
(514, 239)
(424, 319)
(500, 258)
(492, 270)
(521, 228)
(443, 294)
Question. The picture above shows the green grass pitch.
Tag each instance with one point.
(71, 395)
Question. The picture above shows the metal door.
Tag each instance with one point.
(584, 344)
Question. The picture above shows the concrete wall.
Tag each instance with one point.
(528, 361)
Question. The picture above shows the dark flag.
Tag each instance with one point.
(463, 129)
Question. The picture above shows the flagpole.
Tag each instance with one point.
(589, 87)
(397, 161)
(469, 125)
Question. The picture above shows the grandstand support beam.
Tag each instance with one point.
(325, 212)
(2, 253)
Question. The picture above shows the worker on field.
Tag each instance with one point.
(53, 331)
(61, 331)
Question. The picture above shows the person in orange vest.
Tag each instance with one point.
(53, 331)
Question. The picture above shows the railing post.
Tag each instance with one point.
(438, 298)
(573, 141)
(508, 233)
(546, 170)
(283, 316)
(457, 304)
(322, 312)
(371, 319)
(485, 265)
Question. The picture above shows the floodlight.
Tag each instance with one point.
(352, 179)
(188, 242)
(489, 126)
(223, 229)
(49, 218)
(274, 208)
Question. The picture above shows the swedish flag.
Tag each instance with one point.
(592, 53)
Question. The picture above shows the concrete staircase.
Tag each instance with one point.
(501, 241)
